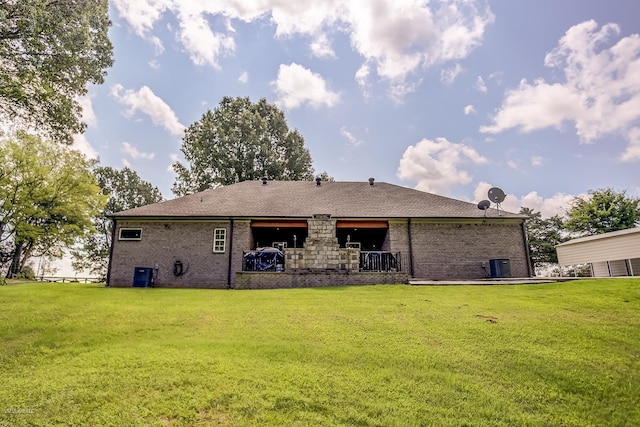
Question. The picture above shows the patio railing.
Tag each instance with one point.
(380, 261)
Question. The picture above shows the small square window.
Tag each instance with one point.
(130, 234)
(219, 240)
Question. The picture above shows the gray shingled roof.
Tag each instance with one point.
(302, 199)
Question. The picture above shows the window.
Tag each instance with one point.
(130, 234)
(219, 239)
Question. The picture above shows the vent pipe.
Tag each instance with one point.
(371, 181)
(318, 180)
(264, 180)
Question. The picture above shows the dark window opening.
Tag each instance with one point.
(289, 237)
(130, 234)
(370, 239)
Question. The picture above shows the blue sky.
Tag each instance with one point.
(540, 98)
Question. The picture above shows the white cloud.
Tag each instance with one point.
(244, 77)
(145, 101)
(600, 93)
(141, 14)
(469, 109)
(126, 164)
(350, 137)
(134, 153)
(88, 115)
(436, 166)
(362, 79)
(174, 158)
(496, 76)
(633, 149)
(554, 205)
(395, 38)
(81, 144)
(296, 86)
(480, 85)
(203, 46)
(321, 47)
(513, 164)
(537, 160)
(154, 64)
(449, 75)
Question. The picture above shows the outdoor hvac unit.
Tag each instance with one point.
(500, 267)
(142, 277)
(354, 245)
(279, 245)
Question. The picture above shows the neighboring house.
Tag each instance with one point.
(610, 254)
(316, 234)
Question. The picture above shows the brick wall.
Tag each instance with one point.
(450, 250)
(164, 243)
(308, 279)
(441, 250)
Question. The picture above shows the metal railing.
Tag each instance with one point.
(380, 261)
(264, 259)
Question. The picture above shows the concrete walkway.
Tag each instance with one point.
(491, 281)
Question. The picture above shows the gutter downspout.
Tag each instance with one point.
(230, 254)
(410, 247)
(530, 269)
(113, 239)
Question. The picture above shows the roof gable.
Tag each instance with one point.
(302, 199)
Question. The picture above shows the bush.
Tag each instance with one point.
(26, 273)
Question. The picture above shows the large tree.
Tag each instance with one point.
(48, 197)
(602, 211)
(543, 235)
(126, 190)
(238, 141)
(49, 51)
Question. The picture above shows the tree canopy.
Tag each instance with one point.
(47, 199)
(602, 211)
(238, 141)
(49, 51)
(543, 235)
(125, 190)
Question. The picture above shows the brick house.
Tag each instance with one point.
(269, 234)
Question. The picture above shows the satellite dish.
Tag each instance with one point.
(484, 205)
(496, 195)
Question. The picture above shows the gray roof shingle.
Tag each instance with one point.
(302, 199)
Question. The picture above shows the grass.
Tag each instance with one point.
(552, 354)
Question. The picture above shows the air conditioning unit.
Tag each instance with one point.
(279, 245)
(353, 245)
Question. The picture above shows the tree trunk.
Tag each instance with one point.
(14, 268)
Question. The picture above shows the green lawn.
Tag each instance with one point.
(552, 354)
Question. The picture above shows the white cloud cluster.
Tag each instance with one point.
(436, 166)
(296, 86)
(80, 141)
(147, 102)
(395, 37)
(554, 205)
(134, 153)
(350, 137)
(481, 85)
(449, 75)
(82, 144)
(600, 94)
(469, 109)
